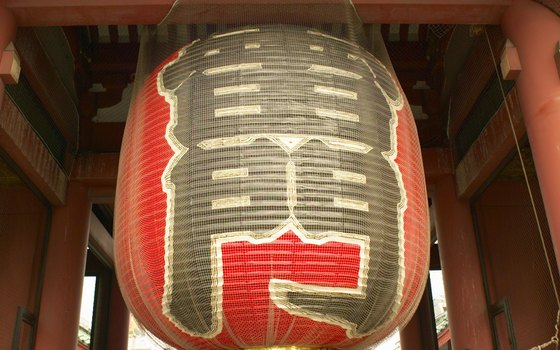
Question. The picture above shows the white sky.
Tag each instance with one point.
(88, 297)
(437, 284)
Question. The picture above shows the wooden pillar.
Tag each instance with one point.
(64, 273)
(7, 33)
(464, 291)
(535, 32)
(119, 317)
(411, 335)
(420, 331)
(7, 27)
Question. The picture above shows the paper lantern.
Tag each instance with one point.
(271, 192)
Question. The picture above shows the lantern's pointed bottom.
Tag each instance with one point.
(288, 348)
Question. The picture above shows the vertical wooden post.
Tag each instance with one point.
(64, 273)
(535, 32)
(464, 290)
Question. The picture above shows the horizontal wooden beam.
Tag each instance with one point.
(100, 240)
(98, 171)
(490, 149)
(87, 12)
(477, 71)
(26, 149)
(48, 85)
(438, 162)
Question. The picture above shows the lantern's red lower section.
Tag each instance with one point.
(248, 269)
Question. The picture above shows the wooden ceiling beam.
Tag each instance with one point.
(48, 85)
(98, 171)
(22, 145)
(491, 148)
(437, 162)
(86, 12)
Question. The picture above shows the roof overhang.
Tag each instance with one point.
(87, 12)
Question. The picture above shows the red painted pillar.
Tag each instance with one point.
(411, 335)
(535, 31)
(119, 317)
(7, 33)
(7, 27)
(64, 272)
(464, 291)
(420, 331)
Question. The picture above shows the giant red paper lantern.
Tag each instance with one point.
(271, 192)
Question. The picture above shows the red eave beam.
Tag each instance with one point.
(495, 142)
(101, 241)
(7, 33)
(98, 171)
(87, 12)
(438, 162)
(23, 146)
